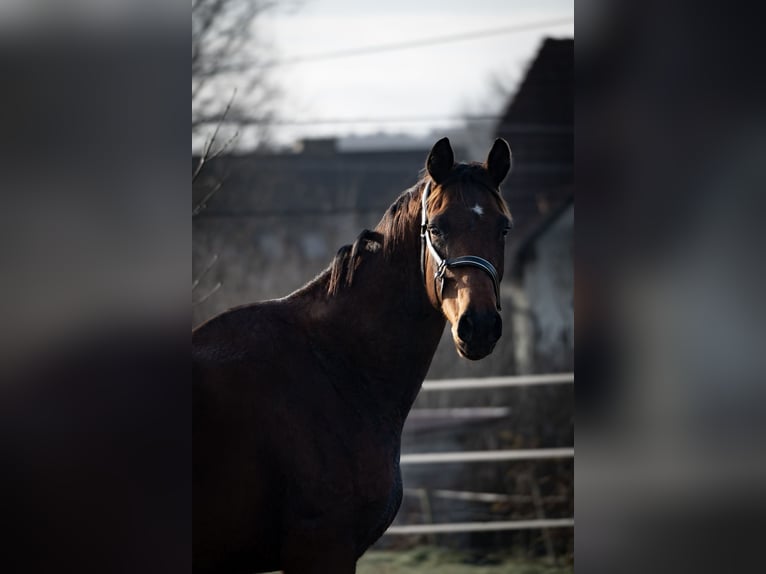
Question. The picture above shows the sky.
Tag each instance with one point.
(429, 83)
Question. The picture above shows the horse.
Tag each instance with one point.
(299, 402)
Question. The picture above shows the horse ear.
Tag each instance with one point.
(440, 160)
(498, 162)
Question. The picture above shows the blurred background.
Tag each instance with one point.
(308, 119)
(671, 130)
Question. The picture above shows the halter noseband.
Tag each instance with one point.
(443, 264)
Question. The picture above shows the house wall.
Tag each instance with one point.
(547, 282)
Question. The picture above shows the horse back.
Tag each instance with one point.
(238, 481)
(276, 431)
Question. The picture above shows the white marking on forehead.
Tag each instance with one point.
(478, 210)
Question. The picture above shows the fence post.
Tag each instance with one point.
(540, 511)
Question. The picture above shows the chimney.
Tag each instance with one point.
(318, 146)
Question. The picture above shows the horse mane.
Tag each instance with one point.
(401, 221)
(348, 258)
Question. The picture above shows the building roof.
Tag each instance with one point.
(546, 93)
(538, 123)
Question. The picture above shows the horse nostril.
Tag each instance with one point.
(497, 329)
(465, 328)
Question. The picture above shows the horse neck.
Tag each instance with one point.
(384, 323)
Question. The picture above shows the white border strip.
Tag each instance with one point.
(498, 382)
(487, 455)
(481, 526)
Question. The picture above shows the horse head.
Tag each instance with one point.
(463, 228)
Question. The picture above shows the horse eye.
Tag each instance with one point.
(435, 231)
(506, 230)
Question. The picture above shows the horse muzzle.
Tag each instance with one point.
(477, 333)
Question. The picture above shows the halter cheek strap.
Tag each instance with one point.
(443, 264)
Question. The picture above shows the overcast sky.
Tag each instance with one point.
(441, 80)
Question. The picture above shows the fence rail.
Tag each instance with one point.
(487, 455)
(488, 497)
(498, 382)
(453, 527)
(493, 455)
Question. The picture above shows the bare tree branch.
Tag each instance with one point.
(207, 295)
(207, 268)
(225, 57)
(225, 54)
(196, 282)
(203, 203)
(206, 152)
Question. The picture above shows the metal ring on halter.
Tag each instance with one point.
(443, 264)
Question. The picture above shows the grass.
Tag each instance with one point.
(427, 560)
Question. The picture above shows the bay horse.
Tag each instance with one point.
(299, 402)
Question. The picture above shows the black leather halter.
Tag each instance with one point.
(443, 264)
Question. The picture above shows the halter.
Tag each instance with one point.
(443, 264)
